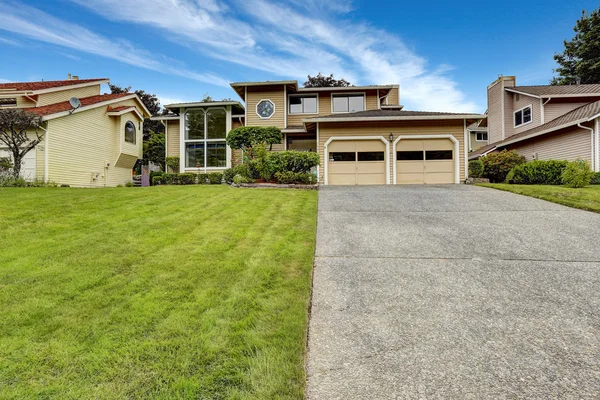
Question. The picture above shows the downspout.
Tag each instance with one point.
(166, 124)
(597, 127)
(592, 138)
(543, 103)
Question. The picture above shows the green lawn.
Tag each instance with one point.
(163, 292)
(587, 198)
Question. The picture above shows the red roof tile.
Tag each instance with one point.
(31, 86)
(65, 106)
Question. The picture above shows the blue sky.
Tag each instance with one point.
(443, 54)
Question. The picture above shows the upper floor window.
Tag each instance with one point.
(303, 105)
(130, 132)
(205, 134)
(348, 103)
(523, 116)
(481, 136)
(8, 102)
(265, 109)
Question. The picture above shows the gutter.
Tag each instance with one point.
(396, 118)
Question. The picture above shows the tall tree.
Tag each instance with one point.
(20, 131)
(581, 57)
(325, 81)
(151, 102)
(154, 149)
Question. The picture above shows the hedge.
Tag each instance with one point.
(538, 172)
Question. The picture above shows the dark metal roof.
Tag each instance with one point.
(549, 90)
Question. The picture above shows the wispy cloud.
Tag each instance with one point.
(293, 40)
(10, 42)
(33, 23)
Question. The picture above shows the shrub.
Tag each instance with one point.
(154, 174)
(497, 165)
(293, 161)
(170, 179)
(215, 178)
(119, 186)
(246, 137)
(129, 184)
(538, 172)
(238, 179)
(577, 174)
(157, 180)
(186, 178)
(229, 174)
(476, 168)
(596, 179)
(289, 177)
(202, 179)
(172, 163)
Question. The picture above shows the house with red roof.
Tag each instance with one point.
(94, 144)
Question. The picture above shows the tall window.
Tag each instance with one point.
(523, 116)
(348, 103)
(130, 132)
(205, 133)
(303, 104)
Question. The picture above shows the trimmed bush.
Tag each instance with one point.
(215, 178)
(289, 177)
(129, 184)
(229, 174)
(202, 179)
(238, 179)
(293, 161)
(186, 178)
(577, 174)
(154, 174)
(172, 163)
(497, 165)
(475, 168)
(171, 179)
(595, 179)
(157, 180)
(538, 172)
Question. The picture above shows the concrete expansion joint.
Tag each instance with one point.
(346, 257)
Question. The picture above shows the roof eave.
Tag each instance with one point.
(395, 118)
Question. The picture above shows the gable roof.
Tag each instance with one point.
(560, 90)
(391, 114)
(86, 102)
(35, 86)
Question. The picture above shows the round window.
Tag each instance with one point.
(130, 132)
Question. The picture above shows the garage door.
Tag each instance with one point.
(27, 166)
(425, 161)
(356, 162)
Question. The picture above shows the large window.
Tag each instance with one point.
(303, 104)
(130, 132)
(205, 133)
(523, 116)
(348, 103)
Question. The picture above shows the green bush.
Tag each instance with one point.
(596, 179)
(289, 177)
(129, 184)
(186, 178)
(157, 180)
(172, 163)
(242, 170)
(538, 172)
(293, 161)
(497, 165)
(247, 137)
(577, 174)
(215, 178)
(475, 168)
(202, 179)
(153, 175)
(239, 179)
(171, 179)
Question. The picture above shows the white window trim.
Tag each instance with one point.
(135, 141)
(336, 138)
(520, 110)
(455, 154)
(477, 140)
(364, 94)
(303, 95)
(274, 108)
(184, 141)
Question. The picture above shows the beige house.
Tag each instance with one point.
(544, 122)
(362, 133)
(94, 145)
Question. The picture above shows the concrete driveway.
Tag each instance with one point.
(453, 292)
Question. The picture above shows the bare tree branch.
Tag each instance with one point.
(16, 128)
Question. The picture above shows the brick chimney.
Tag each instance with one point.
(500, 108)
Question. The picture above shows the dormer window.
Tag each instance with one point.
(303, 105)
(523, 116)
(130, 132)
(8, 102)
(348, 103)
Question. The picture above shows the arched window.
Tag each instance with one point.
(130, 132)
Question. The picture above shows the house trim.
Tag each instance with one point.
(394, 118)
(364, 94)
(523, 123)
(302, 95)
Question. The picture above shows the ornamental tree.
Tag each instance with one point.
(20, 131)
(247, 137)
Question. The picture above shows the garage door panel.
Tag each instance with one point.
(434, 164)
(439, 177)
(410, 179)
(409, 166)
(370, 168)
(438, 144)
(342, 145)
(409, 144)
(439, 166)
(370, 145)
(337, 167)
(342, 179)
(370, 179)
(365, 165)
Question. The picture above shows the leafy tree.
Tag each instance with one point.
(325, 81)
(154, 149)
(151, 102)
(20, 131)
(206, 98)
(247, 137)
(581, 57)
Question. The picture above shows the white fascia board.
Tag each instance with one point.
(126, 111)
(523, 93)
(67, 87)
(398, 118)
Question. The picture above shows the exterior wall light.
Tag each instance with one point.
(391, 137)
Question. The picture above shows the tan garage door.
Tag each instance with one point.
(356, 162)
(425, 161)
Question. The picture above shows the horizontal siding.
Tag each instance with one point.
(569, 145)
(173, 138)
(40, 161)
(64, 95)
(474, 143)
(494, 101)
(455, 128)
(393, 98)
(276, 95)
(24, 102)
(555, 110)
(536, 112)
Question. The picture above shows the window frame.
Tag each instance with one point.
(274, 109)
(134, 132)
(205, 140)
(16, 102)
(520, 110)
(481, 140)
(301, 95)
(349, 94)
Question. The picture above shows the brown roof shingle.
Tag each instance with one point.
(549, 90)
(32, 86)
(388, 113)
(66, 106)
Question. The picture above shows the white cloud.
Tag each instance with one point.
(33, 23)
(292, 40)
(5, 80)
(9, 42)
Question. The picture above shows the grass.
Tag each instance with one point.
(587, 198)
(164, 292)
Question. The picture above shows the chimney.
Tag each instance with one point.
(578, 80)
(75, 78)
(500, 108)
(69, 77)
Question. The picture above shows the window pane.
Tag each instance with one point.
(371, 156)
(342, 156)
(438, 155)
(216, 124)
(527, 115)
(409, 155)
(356, 103)
(130, 132)
(195, 125)
(518, 118)
(194, 155)
(216, 154)
(340, 104)
(310, 105)
(295, 105)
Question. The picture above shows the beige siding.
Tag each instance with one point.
(554, 110)
(39, 161)
(571, 144)
(474, 143)
(384, 128)
(173, 138)
(393, 98)
(536, 112)
(81, 144)
(372, 100)
(494, 100)
(64, 95)
(276, 95)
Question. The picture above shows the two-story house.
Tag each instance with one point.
(94, 144)
(362, 133)
(543, 122)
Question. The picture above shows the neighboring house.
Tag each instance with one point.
(544, 122)
(362, 133)
(95, 145)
